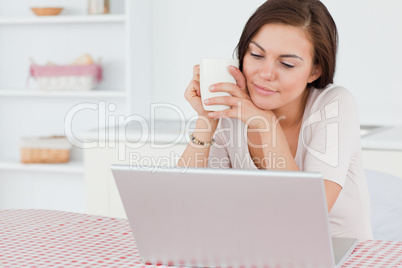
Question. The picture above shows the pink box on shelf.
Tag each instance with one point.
(66, 77)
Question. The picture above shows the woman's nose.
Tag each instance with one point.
(267, 71)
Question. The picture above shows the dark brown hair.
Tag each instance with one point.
(311, 16)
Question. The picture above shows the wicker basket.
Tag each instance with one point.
(54, 149)
(46, 11)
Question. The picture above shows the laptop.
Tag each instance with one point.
(229, 217)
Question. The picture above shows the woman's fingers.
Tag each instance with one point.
(239, 77)
(196, 86)
(196, 80)
(196, 72)
(231, 88)
(192, 90)
(224, 100)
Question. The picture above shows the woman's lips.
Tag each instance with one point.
(264, 91)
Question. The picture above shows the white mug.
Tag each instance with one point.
(214, 71)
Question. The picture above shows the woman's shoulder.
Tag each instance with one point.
(331, 95)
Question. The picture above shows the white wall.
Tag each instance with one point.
(184, 31)
(368, 61)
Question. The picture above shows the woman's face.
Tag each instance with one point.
(278, 65)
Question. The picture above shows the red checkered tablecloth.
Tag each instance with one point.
(44, 238)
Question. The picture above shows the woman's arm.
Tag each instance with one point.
(332, 191)
(273, 151)
(278, 152)
(197, 155)
(268, 145)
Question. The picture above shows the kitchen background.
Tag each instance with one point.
(147, 50)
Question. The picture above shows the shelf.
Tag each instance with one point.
(72, 167)
(63, 19)
(57, 94)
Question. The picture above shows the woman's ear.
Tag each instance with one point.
(315, 73)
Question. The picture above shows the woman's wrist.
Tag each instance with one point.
(206, 124)
(205, 129)
(202, 143)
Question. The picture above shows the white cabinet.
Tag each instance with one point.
(25, 111)
(382, 150)
(102, 196)
(386, 161)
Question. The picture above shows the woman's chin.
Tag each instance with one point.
(263, 105)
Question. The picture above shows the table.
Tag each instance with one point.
(45, 238)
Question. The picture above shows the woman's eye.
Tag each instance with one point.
(256, 56)
(287, 65)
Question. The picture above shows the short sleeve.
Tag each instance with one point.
(331, 135)
(218, 154)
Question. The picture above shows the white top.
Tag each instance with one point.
(329, 143)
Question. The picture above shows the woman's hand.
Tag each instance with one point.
(193, 94)
(241, 104)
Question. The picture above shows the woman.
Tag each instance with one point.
(290, 115)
